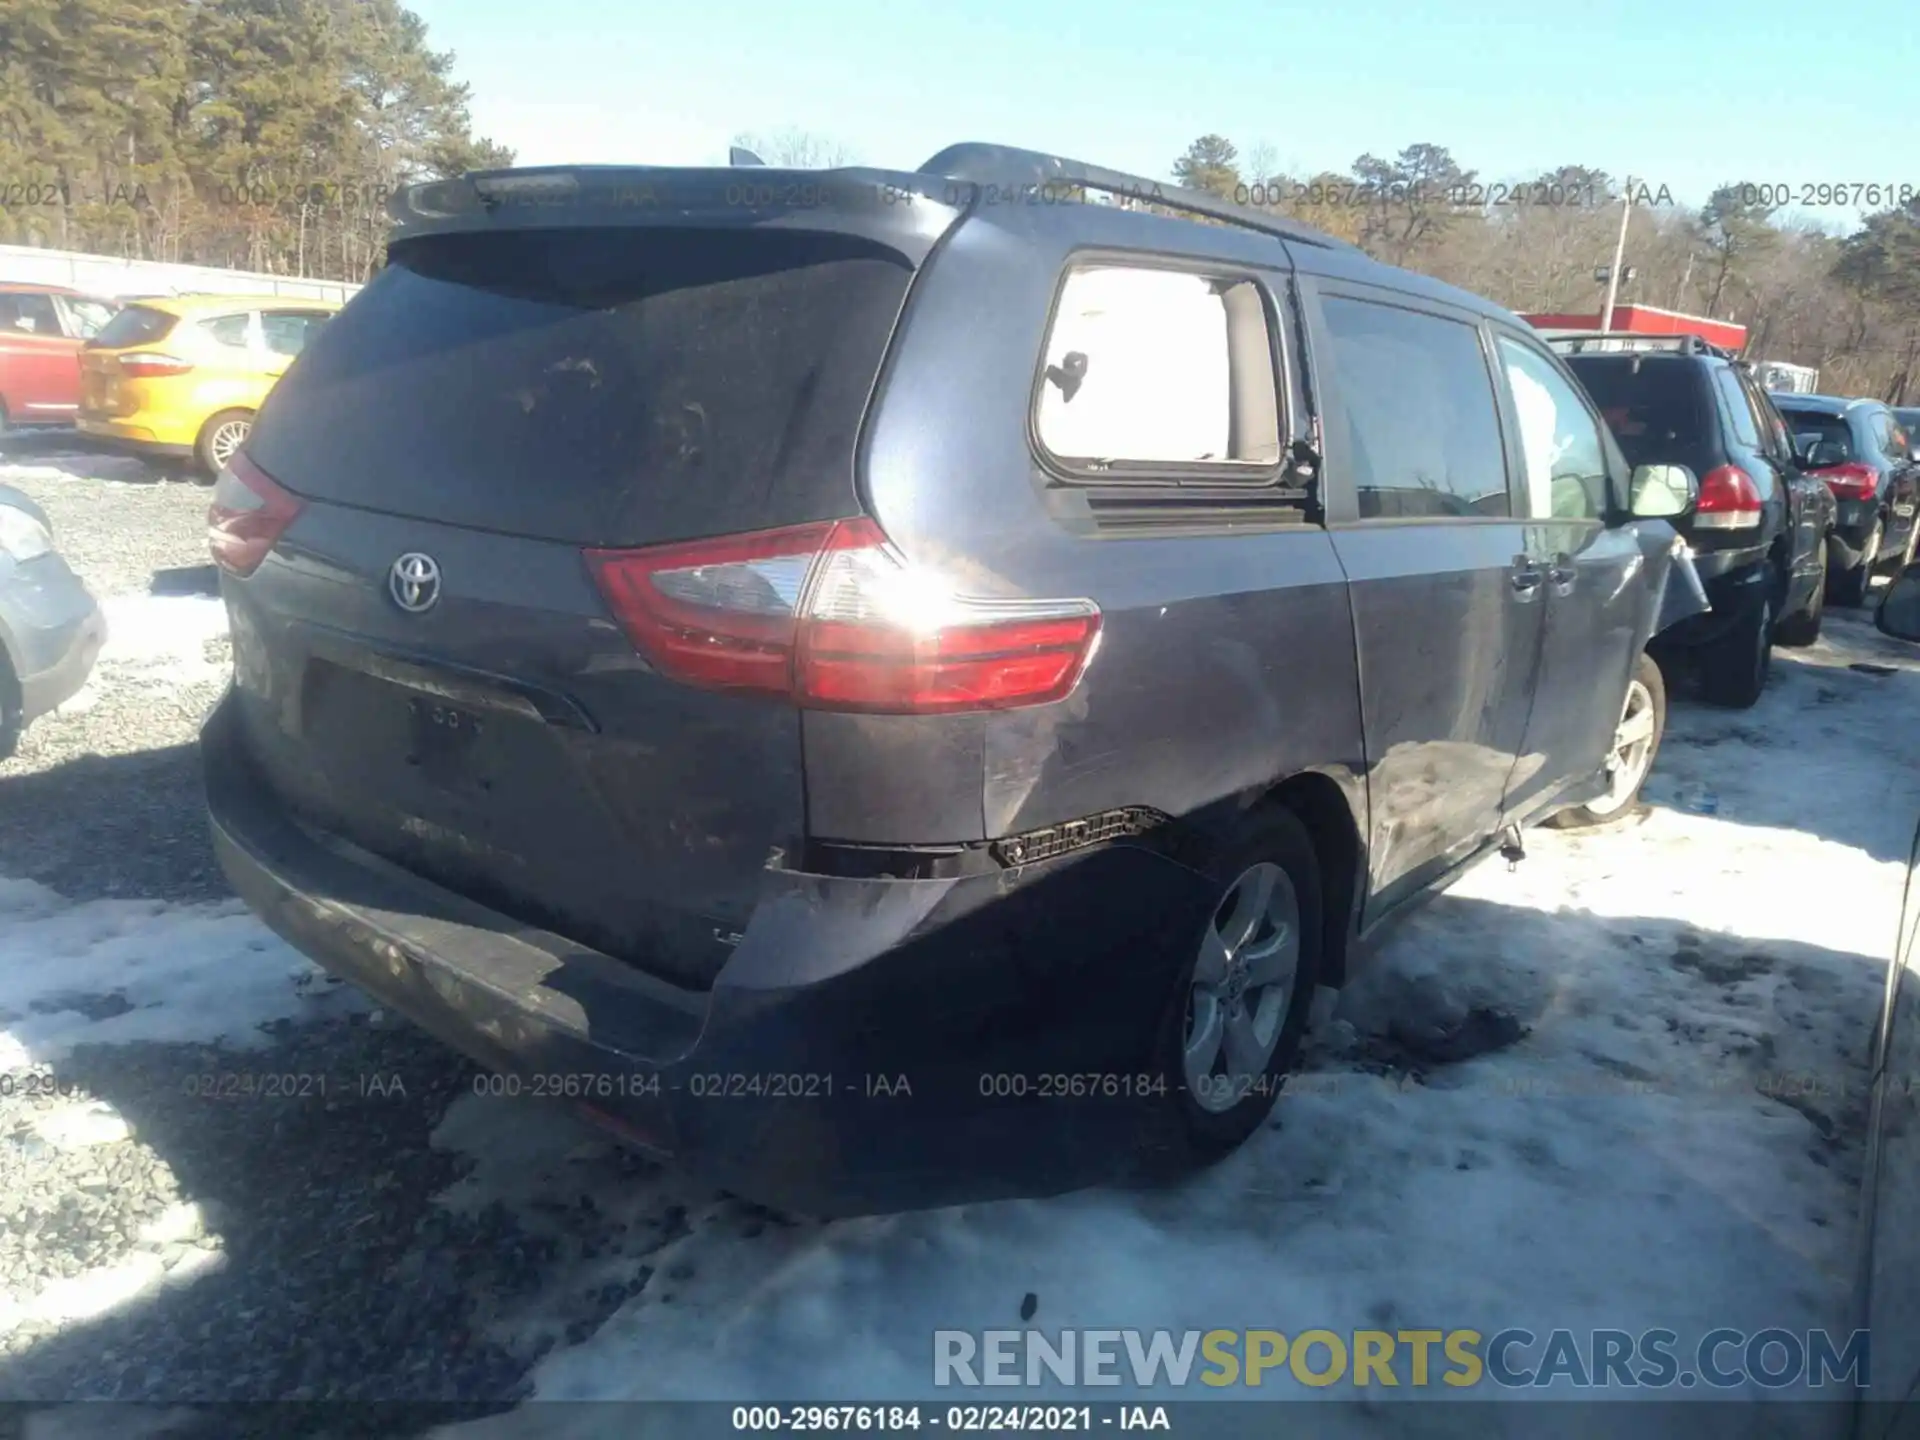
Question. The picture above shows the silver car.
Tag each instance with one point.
(51, 628)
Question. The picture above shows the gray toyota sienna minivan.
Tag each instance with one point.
(888, 688)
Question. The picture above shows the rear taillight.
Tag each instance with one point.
(248, 515)
(153, 367)
(833, 617)
(1855, 480)
(1729, 500)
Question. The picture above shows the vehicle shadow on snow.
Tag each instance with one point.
(344, 1280)
(335, 1274)
(130, 825)
(200, 580)
(1643, 1047)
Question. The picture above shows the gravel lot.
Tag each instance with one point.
(319, 1268)
(104, 797)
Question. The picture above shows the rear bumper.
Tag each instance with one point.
(1853, 523)
(1734, 595)
(871, 1045)
(53, 631)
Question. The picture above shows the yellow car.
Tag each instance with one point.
(183, 375)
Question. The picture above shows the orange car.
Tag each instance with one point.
(183, 375)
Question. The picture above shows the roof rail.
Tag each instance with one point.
(1630, 341)
(1009, 165)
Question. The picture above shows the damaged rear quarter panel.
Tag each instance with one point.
(1674, 581)
(1225, 661)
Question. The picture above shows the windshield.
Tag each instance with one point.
(90, 315)
(1657, 406)
(135, 325)
(1813, 427)
(687, 382)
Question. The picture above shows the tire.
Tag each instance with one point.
(1193, 1124)
(1850, 587)
(1646, 696)
(1734, 670)
(12, 719)
(1801, 630)
(212, 449)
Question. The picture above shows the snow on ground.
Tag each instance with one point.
(155, 643)
(56, 464)
(1673, 1143)
(108, 972)
(114, 972)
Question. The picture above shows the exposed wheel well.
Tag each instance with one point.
(1323, 809)
(1780, 558)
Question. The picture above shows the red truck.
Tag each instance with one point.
(42, 328)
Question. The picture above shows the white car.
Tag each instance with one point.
(51, 628)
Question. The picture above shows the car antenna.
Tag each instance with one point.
(740, 155)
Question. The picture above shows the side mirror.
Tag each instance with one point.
(1662, 492)
(1899, 612)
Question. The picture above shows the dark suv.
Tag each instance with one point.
(1759, 530)
(1860, 449)
(889, 687)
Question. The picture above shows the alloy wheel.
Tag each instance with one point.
(1632, 751)
(227, 439)
(1242, 986)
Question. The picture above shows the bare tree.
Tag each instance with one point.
(1260, 164)
(796, 149)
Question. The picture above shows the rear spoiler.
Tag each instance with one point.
(1632, 342)
(747, 190)
(905, 210)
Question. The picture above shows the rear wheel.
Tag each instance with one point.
(1850, 587)
(11, 713)
(1801, 630)
(1237, 1016)
(1643, 720)
(220, 438)
(1734, 670)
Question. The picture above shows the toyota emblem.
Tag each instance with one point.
(414, 582)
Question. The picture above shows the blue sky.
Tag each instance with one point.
(1685, 93)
